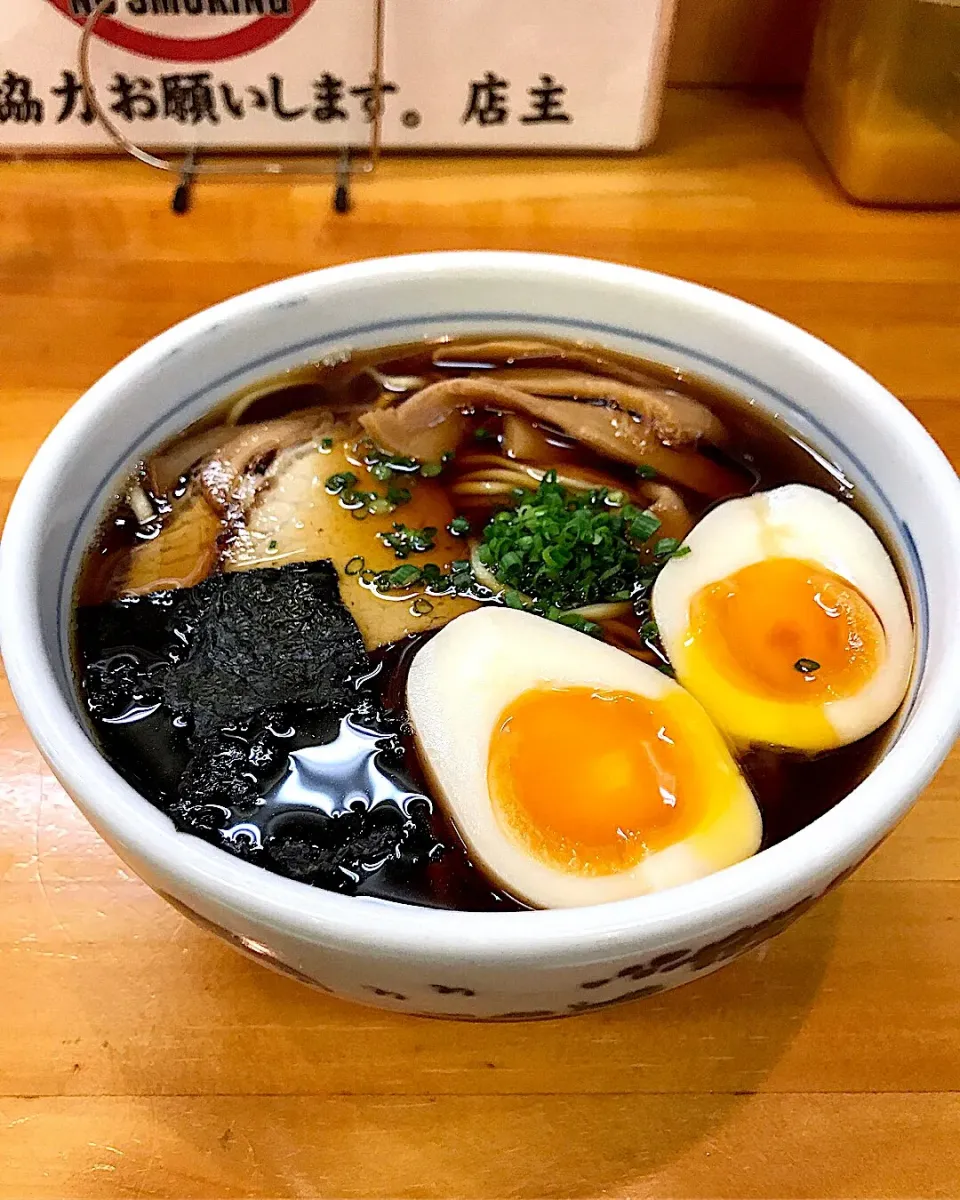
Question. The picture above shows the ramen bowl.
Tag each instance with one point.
(507, 965)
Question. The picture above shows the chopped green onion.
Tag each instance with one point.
(646, 472)
(514, 600)
(401, 576)
(342, 481)
(401, 462)
(326, 443)
(568, 550)
(272, 544)
(349, 499)
(670, 548)
(421, 606)
(354, 565)
(806, 666)
(403, 541)
(459, 526)
(644, 525)
(381, 471)
(429, 469)
(649, 630)
(398, 495)
(462, 581)
(575, 621)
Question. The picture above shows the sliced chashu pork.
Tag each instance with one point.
(226, 468)
(432, 422)
(295, 519)
(182, 554)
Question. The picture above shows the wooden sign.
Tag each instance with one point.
(475, 74)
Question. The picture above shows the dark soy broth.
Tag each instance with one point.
(317, 776)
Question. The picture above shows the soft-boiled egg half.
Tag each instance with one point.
(574, 773)
(787, 621)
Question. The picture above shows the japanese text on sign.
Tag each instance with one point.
(194, 97)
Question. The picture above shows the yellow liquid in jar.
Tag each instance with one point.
(883, 99)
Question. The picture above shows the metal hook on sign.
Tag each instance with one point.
(182, 196)
(341, 168)
(341, 194)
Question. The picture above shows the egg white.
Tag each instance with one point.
(458, 687)
(801, 522)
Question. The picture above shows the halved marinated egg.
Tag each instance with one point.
(574, 773)
(787, 621)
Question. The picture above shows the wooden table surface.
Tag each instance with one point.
(141, 1057)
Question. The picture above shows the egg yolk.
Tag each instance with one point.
(592, 781)
(788, 630)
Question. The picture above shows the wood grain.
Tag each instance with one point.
(140, 1057)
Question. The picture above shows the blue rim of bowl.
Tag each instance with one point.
(823, 440)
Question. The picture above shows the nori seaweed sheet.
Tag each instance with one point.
(269, 637)
(200, 695)
(218, 653)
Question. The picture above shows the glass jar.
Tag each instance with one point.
(883, 99)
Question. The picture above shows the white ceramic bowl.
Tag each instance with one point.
(482, 965)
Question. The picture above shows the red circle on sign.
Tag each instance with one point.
(259, 33)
